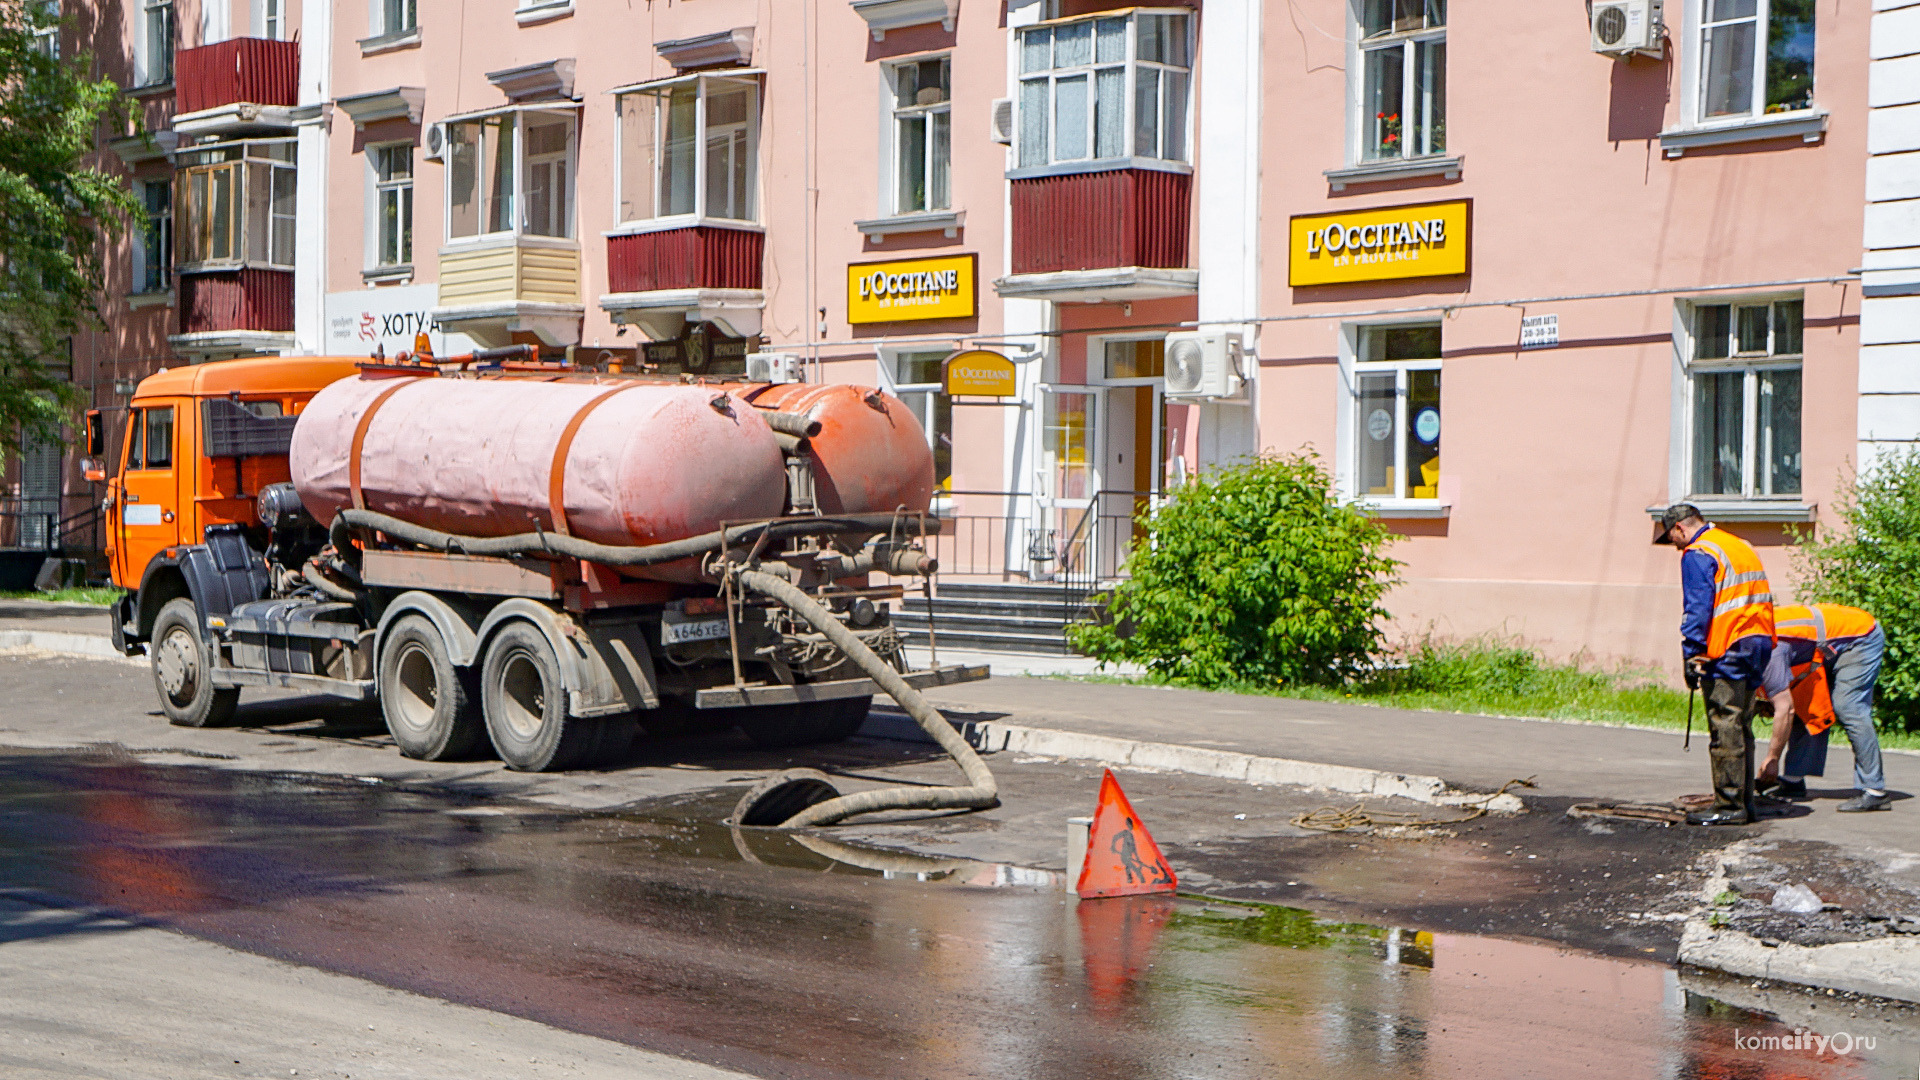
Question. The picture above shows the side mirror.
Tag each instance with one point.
(96, 434)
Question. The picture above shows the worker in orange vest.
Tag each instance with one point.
(1824, 667)
(1726, 639)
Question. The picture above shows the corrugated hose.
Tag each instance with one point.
(981, 792)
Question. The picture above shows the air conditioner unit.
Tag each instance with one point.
(436, 142)
(1203, 365)
(1003, 121)
(1624, 28)
(773, 367)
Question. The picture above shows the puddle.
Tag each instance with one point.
(800, 955)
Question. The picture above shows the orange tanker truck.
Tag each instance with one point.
(522, 556)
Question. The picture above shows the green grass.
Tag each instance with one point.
(101, 597)
(1499, 679)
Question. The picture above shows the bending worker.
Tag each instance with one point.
(1824, 666)
(1726, 638)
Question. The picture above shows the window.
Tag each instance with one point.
(688, 148)
(1403, 79)
(917, 382)
(153, 270)
(239, 203)
(493, 159)
(1135, 359)
(1104, 88)
(1396, 418)
(393, 17)
(271, 20)
(150, 439)
(922, 135)
(46, 33)
(156, 46)
(1755, 58)
(1745, 399)
(393, 204)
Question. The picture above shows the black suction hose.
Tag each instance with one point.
(981, 792)
(547, 543)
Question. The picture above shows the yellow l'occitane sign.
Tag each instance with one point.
(1428, 240)
(909, 289)
(979, 373)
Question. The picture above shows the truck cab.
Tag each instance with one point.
(201, 442)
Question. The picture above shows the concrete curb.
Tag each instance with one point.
(1882, 967)
(63, 643)
(992, 736)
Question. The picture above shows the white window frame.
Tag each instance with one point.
(1349, 431)
(392, 18)
(270, 19)
(1750, 366)
(143, 253)
(1694, 66)
(46, 39)
(894, 113)
(153, 61)
(1408, 43)
(377, 189)
(888, 368)
(650, 92)
(519, 211)
(1132, 66)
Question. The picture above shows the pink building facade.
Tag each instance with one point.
(1521, 274)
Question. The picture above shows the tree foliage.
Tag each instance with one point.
(1254, 575)
(1874, 563)
(54, 213)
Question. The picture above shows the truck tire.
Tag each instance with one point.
(525, 702)
(773, 727)
(182, 670)
(428, 703)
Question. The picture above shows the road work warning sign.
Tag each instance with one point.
(1122, 859)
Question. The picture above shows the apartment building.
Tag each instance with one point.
(1606, 255)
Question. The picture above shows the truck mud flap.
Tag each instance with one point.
(729, 697)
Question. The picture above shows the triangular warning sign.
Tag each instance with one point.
(1122, 859)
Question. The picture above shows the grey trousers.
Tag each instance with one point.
(1730, 743)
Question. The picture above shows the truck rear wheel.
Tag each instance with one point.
(525, 701)
(182, 670)
(428, 703)
(772, 727)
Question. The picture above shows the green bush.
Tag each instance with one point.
(1874, 563)
(1253, 576)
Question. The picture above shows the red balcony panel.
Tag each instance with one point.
(698, 257)
(252, 70)
(237, 300)
(1100, 220)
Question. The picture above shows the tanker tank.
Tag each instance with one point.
(870, 455)
(641, 463)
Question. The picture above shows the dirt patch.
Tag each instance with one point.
(1863, 899)
(1615, 887)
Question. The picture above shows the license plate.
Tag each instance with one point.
(675, 632)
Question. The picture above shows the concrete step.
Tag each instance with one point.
(990, 641)
(967, 622)
(1058, 612)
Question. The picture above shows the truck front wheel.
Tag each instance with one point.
(525, 701)
(182, 670)
(428, 703)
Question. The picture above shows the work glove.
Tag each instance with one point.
(1695, 671)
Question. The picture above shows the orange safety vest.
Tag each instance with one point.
(1812, 693)
(1742, 604)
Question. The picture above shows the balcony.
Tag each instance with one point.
(241, 312)
(664, 278)
(1118, 234)
(237, 86)
(493, 288)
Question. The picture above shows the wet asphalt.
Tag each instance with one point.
(790, 955)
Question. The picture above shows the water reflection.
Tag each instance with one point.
(803, 955)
